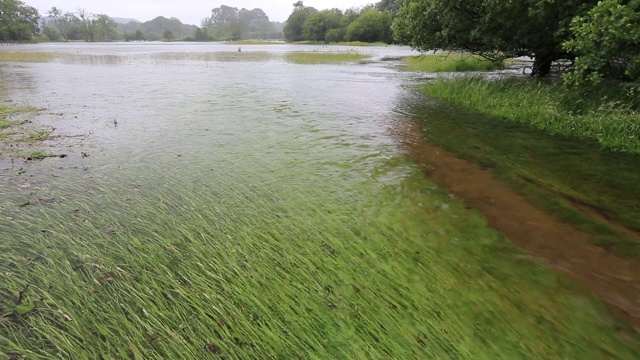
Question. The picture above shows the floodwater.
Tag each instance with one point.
(141, 118)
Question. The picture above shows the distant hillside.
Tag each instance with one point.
(124, 20)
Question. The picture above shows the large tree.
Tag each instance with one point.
(371, 26)
(229, 23)
(62, 21)
(293, 30)
(495, 29)
(317, 25)
(18, 22)
(607, 44)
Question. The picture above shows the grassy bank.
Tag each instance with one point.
(223, 268)
(548, 107)
(451, 62)
(343, 43)
(316, 57)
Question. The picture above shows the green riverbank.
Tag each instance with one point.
(608, 117)
(451, 62)
(387, 267)
(592, 188)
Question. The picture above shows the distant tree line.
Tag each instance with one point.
(18, 21)
(371, 23)
(231, 23)
(81, 25)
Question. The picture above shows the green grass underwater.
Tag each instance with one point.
(242, 264)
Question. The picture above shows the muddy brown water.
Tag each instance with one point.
(614, 279)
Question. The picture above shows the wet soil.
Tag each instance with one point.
(613, 278)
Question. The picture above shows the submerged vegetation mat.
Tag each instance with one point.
(222, 267)
(594, 189)
(19, 138)
(316, 57)
(255, 42)
(451, 62)
(27, 56)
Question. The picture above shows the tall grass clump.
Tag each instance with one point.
(452, 62)
(606, 116)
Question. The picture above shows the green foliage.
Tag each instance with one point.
(154, 29)
(371, 26)
(104, 28)
(294, 29)
(167, 35)
(494, 29)
(451, 62)
(18, 22)
(139, 35)
(607, 44)
(62, 22)
(51, 33)
(608, 117)
(335, 35)
(389, 5)
(230, 23)
(317, 25)
(371, 23)
(201, 35)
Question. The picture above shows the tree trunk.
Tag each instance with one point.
(542, 64)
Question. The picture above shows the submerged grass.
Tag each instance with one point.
(200, 269)
(594, 189)
(315, 57)
(360, 43)
(451, 62)
(27, 56)
(255, 42)
(612, 122)
(18, 135)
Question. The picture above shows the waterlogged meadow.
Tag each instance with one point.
(257, 209)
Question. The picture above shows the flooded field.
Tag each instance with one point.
(239, 204)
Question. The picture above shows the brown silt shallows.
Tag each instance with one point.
(614, 279)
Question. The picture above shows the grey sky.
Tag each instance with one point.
(190, 12)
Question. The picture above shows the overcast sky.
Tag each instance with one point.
(190, 12)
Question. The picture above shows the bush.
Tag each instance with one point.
(607, 44)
